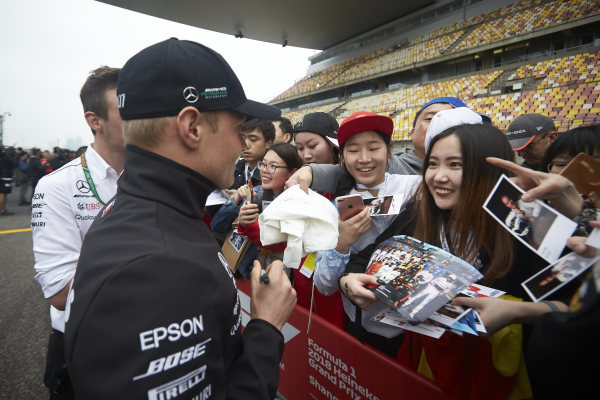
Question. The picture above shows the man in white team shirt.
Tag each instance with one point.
(65, 204)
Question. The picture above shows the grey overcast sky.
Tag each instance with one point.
(48, 47)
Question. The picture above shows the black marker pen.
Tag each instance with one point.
(264, 277)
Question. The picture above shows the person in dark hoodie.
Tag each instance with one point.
(152, 283)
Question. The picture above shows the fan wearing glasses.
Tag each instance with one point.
(279, 163)
(585, 139)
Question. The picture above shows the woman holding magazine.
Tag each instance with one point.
(447, 212)
(364, 140)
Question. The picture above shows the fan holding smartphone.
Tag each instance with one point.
(365, 140)
(349, 206)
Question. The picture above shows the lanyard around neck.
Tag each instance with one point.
(89, 179)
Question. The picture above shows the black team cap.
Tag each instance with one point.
(166, 77)
(320, 123)
(524, 128)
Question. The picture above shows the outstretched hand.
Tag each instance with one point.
(240, 194)
(540, 185)
(495, 313)
(302, 177)
(577, 243)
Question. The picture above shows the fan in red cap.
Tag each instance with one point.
(369, 199)
(363, 121)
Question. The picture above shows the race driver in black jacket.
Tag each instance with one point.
(154, 312)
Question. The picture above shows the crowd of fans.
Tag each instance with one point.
(22, 169)
(148, 259)
(451, 145)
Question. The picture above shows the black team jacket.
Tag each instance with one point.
(154, 312)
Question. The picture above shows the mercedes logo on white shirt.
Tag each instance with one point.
(190, 94)
(82, 186)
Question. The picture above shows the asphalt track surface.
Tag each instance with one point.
(25, 319)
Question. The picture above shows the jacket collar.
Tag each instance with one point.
(96, 163)
(240, 169)
(153, 177)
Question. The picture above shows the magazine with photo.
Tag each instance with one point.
(456, 319)
(476, 290)
(467, 323)
(428, 328)
(384, 205)
(449, 314)
(237, 241)
(557, 275)
(418, 278)
(472, 319)
(538, 226)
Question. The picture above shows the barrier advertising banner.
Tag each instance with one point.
(328, 363)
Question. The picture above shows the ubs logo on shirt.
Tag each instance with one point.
(88, 206)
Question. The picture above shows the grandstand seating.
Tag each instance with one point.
(568, 91)
(514, 19)
(527, 20)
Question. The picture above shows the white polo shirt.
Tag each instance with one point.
(63, 208)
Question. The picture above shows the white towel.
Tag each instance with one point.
(307, 222)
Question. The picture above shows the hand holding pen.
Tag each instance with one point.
(272, 302)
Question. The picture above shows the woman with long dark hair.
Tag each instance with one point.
(447, 212)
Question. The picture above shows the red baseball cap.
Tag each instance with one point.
(362, 121)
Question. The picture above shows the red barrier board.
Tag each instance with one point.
(328, 363)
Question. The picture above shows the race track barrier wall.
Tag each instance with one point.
(328, 363)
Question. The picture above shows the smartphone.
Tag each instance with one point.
(249, 192)
(583, 171)
(349, 206)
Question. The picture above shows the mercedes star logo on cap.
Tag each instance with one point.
(190, 94)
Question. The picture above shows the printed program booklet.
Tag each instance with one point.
(418, 278)
(456, 319)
